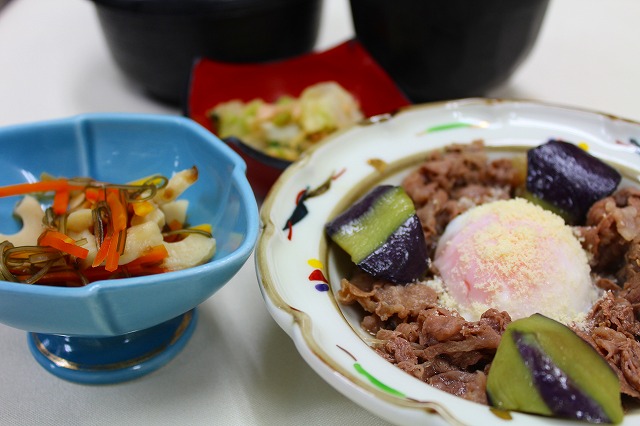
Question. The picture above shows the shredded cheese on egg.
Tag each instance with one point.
(515, 256)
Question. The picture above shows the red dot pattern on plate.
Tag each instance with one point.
(317, 275)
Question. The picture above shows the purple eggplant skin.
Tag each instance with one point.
(568, 177)
(402, 258)
(358, 209)
(563, 398)
(400, 255)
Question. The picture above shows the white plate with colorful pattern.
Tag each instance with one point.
(299, 274)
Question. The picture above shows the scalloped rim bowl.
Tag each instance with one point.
(119, 148)
(299, 275)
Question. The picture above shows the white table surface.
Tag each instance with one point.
(54, 63)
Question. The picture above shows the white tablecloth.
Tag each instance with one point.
(54, 63)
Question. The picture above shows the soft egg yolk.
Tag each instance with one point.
(514, 256)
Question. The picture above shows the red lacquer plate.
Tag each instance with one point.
(348, 64)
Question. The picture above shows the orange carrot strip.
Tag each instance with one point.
(118, 211)
(94, 194)
(42, 186)
(62, 242)
(154, 255)
(113, 254)
(60, 201)
(141, 270)
(101, 255)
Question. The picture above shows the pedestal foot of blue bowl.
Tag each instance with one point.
(113, 359)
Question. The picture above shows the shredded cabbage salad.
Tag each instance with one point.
(289, 126)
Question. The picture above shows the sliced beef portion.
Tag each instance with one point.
(453, 180)
(615, 312)
(613, 330)
(430, 342)
(630, 269)
(631, 292)
(612, 225)
(468, 385)
(385, 299)
(621, 352)
(612, 237)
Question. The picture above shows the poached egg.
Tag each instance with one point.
(514, 256)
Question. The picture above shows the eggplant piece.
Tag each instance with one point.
(543, 367)
(382, 235)
(569, 178)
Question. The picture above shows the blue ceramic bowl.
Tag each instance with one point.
(119, 148)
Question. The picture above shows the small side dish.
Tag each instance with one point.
(348, 64)
(100, 311)
(287, 127)
(95, 230)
